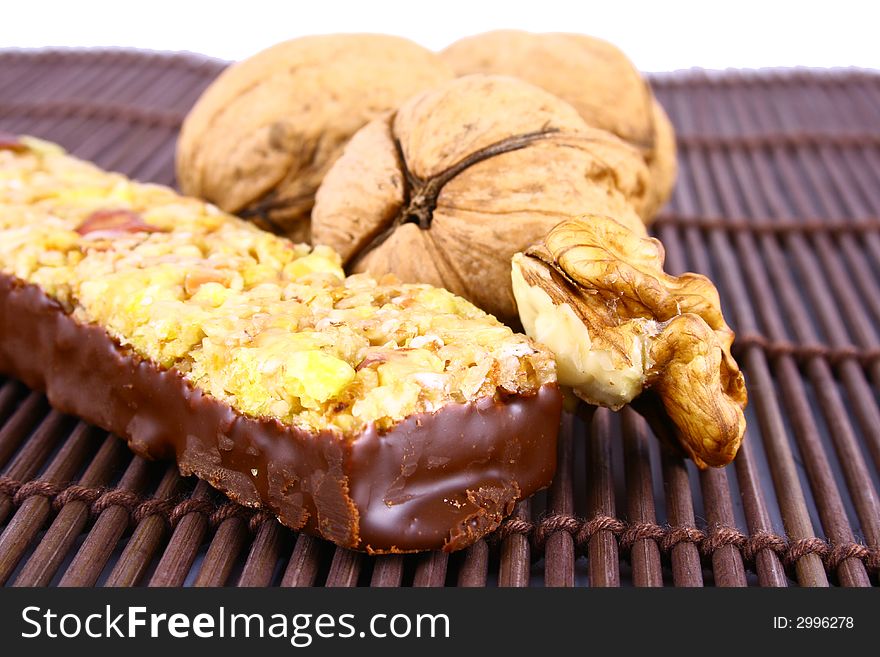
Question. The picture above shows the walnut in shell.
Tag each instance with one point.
(262, 136)
(593, 76)
(461, 177)
(594, 291)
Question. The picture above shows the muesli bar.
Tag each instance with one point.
(382, 416)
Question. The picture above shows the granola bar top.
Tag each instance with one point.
(272, 328)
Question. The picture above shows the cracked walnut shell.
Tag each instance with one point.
(445, 190)
(595, 77)
(262, 136)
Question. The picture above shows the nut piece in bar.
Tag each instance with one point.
(380, 415)
(595, 293)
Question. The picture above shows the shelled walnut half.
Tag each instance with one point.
(596, 294)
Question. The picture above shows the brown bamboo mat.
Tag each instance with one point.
(778, 201)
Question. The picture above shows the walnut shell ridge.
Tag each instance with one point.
(595, 77)
(462, 176)
(262, 136)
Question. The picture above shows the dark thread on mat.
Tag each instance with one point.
(694, 78)
(768, 226)
(190, 62)
(172, 120)
(627, 534)
(86, 110)
(139, 508)
(707, 541)
(803, 353)
(766, 78)
(801, 139)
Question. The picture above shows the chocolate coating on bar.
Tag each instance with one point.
(438, 480)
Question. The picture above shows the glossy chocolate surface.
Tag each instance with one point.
(438, 480)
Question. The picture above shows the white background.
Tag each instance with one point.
(658, 35)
